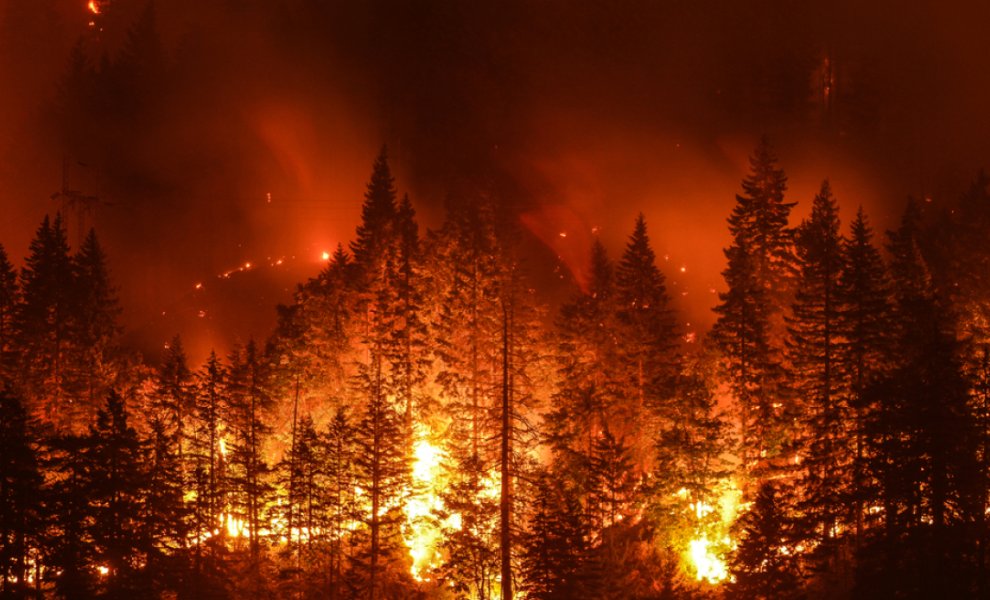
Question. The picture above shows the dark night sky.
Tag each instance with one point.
(581, 113)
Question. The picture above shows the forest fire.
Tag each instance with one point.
(571, 341)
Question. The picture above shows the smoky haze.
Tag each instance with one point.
(223, 133)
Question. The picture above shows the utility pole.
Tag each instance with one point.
(76, 202)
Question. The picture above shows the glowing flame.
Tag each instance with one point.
(709, 567)
(235, 527)
(706, 550)
(423, 535)
(94, 7)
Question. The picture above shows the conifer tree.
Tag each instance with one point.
(764, 564)
(115, 482)
(173, 399)
(376, 231)
(301, 475)
(382, 471)
(588, 367)
(69, 547)
(165, 515)
(924, 450)
(96, 312)
(20, 489)
(691, 450)
(406, 347)
(465, 321)
(813, 350)
(206, 454)
(749, 328)
(866, 326)
(338, 499)
(647, 328)
(44, 329)
(470, 541)
(248, 402)
(555, 547)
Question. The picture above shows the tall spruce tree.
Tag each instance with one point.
(648, 329)
(248, 404)
(813, 351)
(45, 323)
(115, 481)
(749, 327)
(924, 449)
(555, 547)
(382, 471)
(866, 326)
(96, 330)
(376, 230)
(588, 368)
(339, 499)
(764, 564)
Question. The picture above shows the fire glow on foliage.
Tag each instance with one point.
(711, 541)
(422, 533)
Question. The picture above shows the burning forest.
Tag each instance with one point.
(464, 383)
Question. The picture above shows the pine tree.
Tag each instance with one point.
(813, 343)
(382, 471)
(165, 514)
(518, 395)
(749, 327)
(172, 399)
(338, 500)
(924, 445)
(764, 564)
(115, 484)
(301, 475)
(648, 331)
(317, 335)
(248, 402)
(691, 457)
(555, 549)
(96, 312)
(70, 551)
(588, 367)
(20, 488)
(406, 348)
(376, 230)
(470, 539)
(207, 460)
(44, 329)
(866, 323)
(465, 320)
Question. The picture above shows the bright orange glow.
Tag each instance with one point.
(94, 7)
(423, 534)
(325, 255)
(705, 556)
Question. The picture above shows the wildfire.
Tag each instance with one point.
(423, 534)
(706, 550)
(709, 566)
(94, 7)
